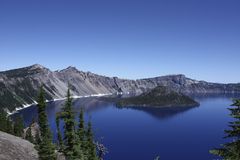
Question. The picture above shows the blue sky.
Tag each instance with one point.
(130, 39)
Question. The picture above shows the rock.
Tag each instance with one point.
(15, 148)
(60, 156)
(34, 130)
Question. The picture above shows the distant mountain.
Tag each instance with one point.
(158, 97)
(20, 86)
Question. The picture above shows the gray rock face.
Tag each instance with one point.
(20, 86)
(34, 130)
(15, 148)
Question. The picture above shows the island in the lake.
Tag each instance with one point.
(158, 97)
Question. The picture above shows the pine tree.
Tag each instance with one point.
(46, 149)
(72, 149)
(77, 144)
(91, 147)
(42, 117)
(231, 150)
(59, 135)
(18, 126)
(69, 126)
(81, 130)
(2, 120)
(5, 123)
(81, 135)
(9, 126)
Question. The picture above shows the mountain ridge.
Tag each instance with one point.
(20, 86)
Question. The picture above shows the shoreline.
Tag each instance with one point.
(24, 106)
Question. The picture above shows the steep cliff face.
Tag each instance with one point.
(20, 86)
(182, 84)
(86, 83)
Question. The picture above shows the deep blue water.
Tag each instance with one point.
(143, 133)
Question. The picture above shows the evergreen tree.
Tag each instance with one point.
(81, 130)
(81, 135)
(69, 126)
(231, 150)
(42, 117)
(77, 144)
(18, 126)
(72, 148)
(6, 124)
(59, 135)
(3, 121)
(9, 126)
(78, 152)
(46, 149)
(91, 147)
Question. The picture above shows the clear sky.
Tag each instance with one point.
(126, 38)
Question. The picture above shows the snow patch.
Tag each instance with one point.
(57, 99)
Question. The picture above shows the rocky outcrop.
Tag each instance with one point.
(15, 148)
(20, 86)
(34, 131)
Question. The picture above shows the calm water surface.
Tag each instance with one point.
(143, 133)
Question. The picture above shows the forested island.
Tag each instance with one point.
(158, 97)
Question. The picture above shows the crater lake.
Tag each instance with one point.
(144, 133)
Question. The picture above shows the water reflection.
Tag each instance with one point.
(91, 105)
(163, 113)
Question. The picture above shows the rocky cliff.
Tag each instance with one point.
(19, 87)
